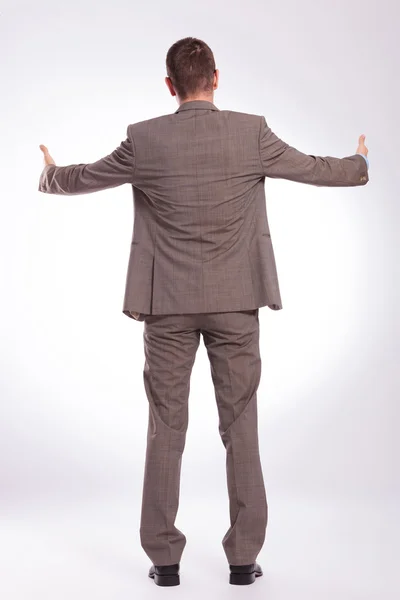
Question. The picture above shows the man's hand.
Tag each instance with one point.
(362, 148)
(47, 158)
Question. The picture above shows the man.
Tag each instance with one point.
(201, 263)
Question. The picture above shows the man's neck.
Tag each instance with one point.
(205, 98)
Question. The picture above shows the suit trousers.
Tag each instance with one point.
(170, 345)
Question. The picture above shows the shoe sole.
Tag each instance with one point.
(165, 580)
(244, 578)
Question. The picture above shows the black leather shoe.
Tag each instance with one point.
(165, 576)
(244, 574)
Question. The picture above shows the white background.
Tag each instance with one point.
(73, 407)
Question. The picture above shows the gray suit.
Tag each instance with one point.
(202, 262)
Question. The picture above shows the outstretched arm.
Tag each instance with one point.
(108, 172)
(279, 160)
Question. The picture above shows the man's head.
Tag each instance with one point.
(191, 72)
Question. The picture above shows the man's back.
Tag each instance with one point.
(200, 213)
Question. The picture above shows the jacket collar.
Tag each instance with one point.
(193, 104)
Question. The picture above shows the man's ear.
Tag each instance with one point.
(216, 79)
(170, 86)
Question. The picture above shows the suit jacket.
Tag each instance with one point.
(201, 240)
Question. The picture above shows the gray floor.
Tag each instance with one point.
(91, 549)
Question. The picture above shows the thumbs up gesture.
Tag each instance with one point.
(362, 148)
(48, 160)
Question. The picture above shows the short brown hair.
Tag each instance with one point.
(191, 67)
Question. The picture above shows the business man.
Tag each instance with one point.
(201, 263)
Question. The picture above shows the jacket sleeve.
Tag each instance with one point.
(279, 160)
(111, 171)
